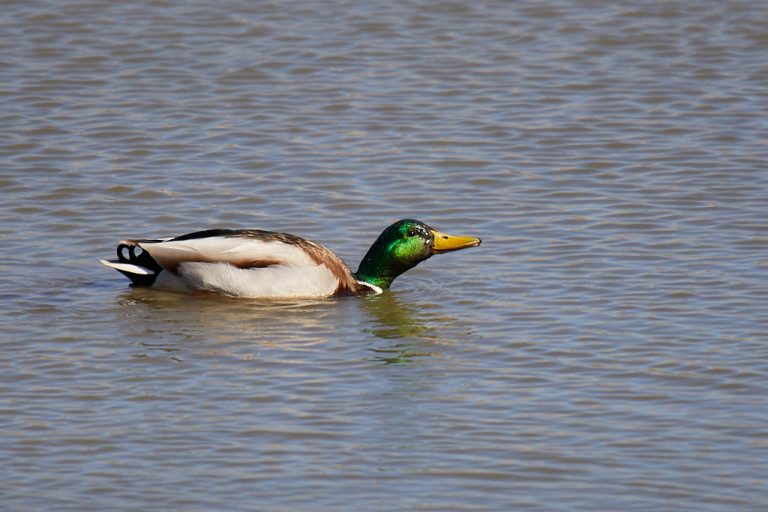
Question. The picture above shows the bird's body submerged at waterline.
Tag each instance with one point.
(264, 264)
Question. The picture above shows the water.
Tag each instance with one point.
(604, 349)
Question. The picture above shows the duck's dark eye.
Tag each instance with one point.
(411, 232)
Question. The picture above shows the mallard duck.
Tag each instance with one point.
(266, 264)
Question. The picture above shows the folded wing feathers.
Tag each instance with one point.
(239, 252)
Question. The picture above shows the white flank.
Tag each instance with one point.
(269, 282)
(127, 267)
(172, 283)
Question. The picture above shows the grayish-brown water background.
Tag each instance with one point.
(604, 349)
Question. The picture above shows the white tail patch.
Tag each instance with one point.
(127, 267)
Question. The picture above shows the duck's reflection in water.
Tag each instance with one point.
(155, 318)
(399, 331)
(406, 327)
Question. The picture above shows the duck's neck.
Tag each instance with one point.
(378, 268)
(375, 275)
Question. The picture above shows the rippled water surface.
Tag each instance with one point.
(604, 349)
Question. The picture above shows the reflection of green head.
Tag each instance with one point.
(402, 246)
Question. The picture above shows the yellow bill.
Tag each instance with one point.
(445, 243)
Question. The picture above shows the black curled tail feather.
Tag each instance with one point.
(137, 256)
(130, 252)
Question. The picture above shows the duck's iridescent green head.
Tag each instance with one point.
(402, 246)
